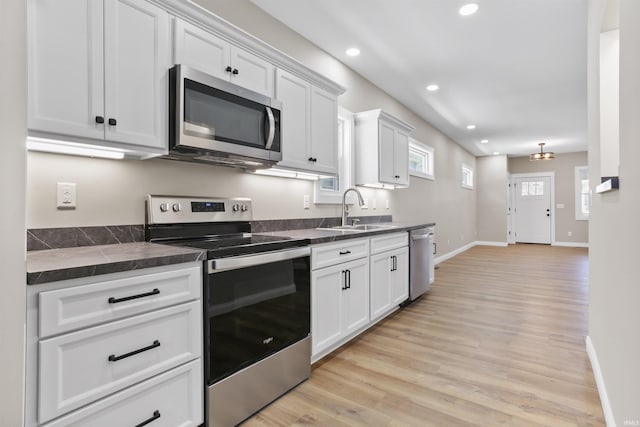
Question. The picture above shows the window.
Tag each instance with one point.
(421, 160)
(583, 194)
(330, 190)
(532, 188)
(467, 177)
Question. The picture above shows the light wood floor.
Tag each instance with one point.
(498, 340)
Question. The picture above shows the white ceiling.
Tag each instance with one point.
(516, 69)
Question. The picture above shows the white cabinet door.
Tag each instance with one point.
(326, 309)
(401, 158)
(201, 50)
(380, 265)
(356, 296)
(324, 131)
(387, 151)
(137, 60)
(66, 79)
(399, 278)
(294, 93)
(251, 72)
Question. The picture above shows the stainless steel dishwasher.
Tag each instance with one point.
(421, 263)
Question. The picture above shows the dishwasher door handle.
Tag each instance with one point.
(421, 236)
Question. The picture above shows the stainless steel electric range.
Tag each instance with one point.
(256, 291)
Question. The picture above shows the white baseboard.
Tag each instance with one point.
(483, 243)
(571, 244)
(602, 390)
(453, 253)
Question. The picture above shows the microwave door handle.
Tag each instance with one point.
(272, 128)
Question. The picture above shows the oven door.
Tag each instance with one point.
(256, 305)
(215, 116)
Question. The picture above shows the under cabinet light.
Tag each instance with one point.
(71, 148)
(284, 173)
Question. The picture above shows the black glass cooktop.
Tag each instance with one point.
(218, 247)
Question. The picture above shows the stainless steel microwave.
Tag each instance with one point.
(214, 121)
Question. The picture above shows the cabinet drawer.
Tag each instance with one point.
(387, 242)
(78, 307)
(175, 395)
(334, 253)
(78, 368)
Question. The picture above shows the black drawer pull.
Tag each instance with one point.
(112, 122)
(228, 69)
(99, 119)
(345, 252)
(113, 300)
(155, 416)
(235, 72)
(114, 358)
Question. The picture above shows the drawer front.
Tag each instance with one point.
(335, 253)
(78, 368)
(79, 307)
(174, 398)
(387, 242)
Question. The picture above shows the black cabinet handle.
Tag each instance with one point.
(235, 72)
(348, 279)
(113, 300)
(114, 358)
(310, 159)
(228, 69)
(397, 176)
(99, 120)
(155, 416)
(345, 252)
(112, 122)
(315, 160)
(435, 248)
(344, 280)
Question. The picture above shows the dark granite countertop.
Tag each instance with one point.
(315, 235)
(70, 263)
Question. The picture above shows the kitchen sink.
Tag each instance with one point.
(360, 227)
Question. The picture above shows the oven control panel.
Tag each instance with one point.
(180, 209)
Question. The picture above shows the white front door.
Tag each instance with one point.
(533, 209)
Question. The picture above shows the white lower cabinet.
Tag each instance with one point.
(354, 284)
(128, 353)
(389, 281)
(167, 400)
(340, 303)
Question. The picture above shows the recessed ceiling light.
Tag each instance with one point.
(484, 141)
(468, 9)
(353, 51)
(496, 153)
(471, 127)
(433, 88)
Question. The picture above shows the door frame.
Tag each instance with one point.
(512, 223)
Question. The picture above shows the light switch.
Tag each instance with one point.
(306, 201)
(560, 206)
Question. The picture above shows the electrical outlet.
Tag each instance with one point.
(66, 195)
(387, 203)
(306, 201)
(569, 233)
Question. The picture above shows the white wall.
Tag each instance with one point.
(13, 127)
(113, 192)
(614, 229)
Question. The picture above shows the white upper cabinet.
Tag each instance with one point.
(215, 56)
(382, 149)
(309, 125)
(98, 69)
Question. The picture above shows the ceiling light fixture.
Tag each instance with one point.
(471, 127)
(353, 51)
(468, 9)
(433, 88)
(484, 141)
(496, 153)
(542, 155)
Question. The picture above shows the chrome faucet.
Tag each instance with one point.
(345, 208)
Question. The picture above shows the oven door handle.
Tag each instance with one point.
(232, 263)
